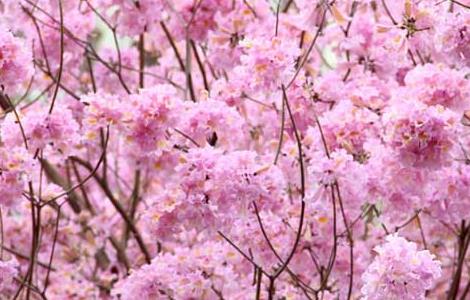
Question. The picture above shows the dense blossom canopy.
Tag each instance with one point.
(234, 149)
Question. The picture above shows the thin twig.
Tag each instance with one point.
(61, 61)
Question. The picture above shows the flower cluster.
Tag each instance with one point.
(220, 149)
(400, 271)
(15, 61)
(8, 272)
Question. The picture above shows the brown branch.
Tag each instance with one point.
(460, 4)
(92, 171)
(173, 45)
(119, 208)
(389, 13)
(25, 139)
(463, 244)
(61, 61)
(281, 133)
(277, 17)
(302, 209)
(309, 50)
(26, 257)
(200, 65)
(141, 61)
(55, 177)
(51, 257)
(243, 253)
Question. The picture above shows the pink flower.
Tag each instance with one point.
(349, 127)
(212, 123)
(437, 84)
(15, 168)
(57, 131)
(8, 271)
(196, 17)
(185, 273)
(267, 63)
(153, 114)
(422, 136)
(400, 271)
(453, 38)
(15, 61)
(133, 18)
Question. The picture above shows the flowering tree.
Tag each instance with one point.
(234, 149)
